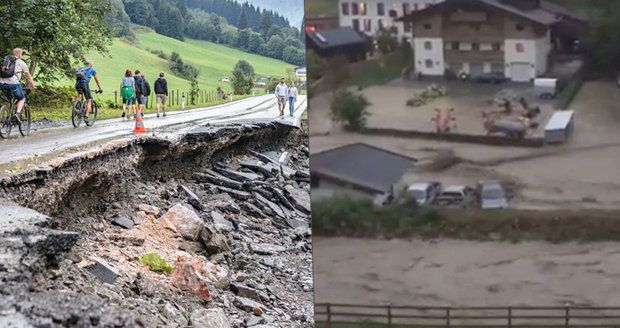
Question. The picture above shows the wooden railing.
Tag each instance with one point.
(456, 317)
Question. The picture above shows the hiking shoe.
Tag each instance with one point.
(164, 114)
(157, 115)
(123, 115)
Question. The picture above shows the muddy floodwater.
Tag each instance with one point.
(466, 273)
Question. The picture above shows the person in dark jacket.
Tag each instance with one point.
(147, 90)
(140, 90)
(161, 92)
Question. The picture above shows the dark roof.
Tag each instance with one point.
(361, 165)
(336, 37)
(546, 14)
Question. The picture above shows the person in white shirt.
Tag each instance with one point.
(281, 94)
(12, 83)
(292, 97)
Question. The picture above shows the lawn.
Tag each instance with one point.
(213, 60)
(321, 8)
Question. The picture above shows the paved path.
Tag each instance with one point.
(47, 141)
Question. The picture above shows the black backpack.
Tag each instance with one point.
(80, 74)
(7, 70)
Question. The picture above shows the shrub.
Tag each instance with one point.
(52, 97)
(350, 108)
(156, 263)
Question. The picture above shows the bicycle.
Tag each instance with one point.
(8, 115)
(78, 112)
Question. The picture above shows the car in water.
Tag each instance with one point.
(424, 193)
(490, 78)
(456, 197)
(492, 195)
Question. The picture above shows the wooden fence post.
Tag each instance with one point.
(509, 317)
(447, 317)
(329, 315)
(567, 316)
(177, 96)
(389, 314)
(115, 98)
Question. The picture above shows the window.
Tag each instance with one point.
(405, 8)
(356, 24)
(407, 27)
(497, 46)
(355, 8)
(363, 8)
(345, 8)
(380, 24)
(393, 13)
(367, 25)
(428, 45)
(428, 26)
(456, 45)
(475, 46)
(429, 63)
(520, 47)
(520, 27)
(380, 9)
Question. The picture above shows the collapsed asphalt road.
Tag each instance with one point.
(227, 208)
(55, 140)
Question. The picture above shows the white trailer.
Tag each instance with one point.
(545, 88)
(560, 126)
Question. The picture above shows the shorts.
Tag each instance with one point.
(161, 98)
(15, 89)
(84, 88)
(282, 100)
(140, 99)
(128, 101)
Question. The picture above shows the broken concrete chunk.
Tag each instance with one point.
(209, 318)
(247, 304)
(185, 221)
(245, 291)
(295, 223)
(193, 199)
(217, 179)
(214, 242)
(103, 271)
(124, 221)
(271, 205)
(266, 249)
(149, 209)
(252, 209)
(237, 175)
(237, 194)
(268, 170)
(221, 223)
(299, 197)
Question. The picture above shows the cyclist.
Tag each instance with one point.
(11, 70)
(82, 84)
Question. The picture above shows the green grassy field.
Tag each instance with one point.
(213, 61)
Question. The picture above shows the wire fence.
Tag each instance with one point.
(179, 98)
(337, 315)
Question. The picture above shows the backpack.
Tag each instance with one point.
(147, 88)
(139, 84)
(80, 74)
(127, 92)
(7, 70)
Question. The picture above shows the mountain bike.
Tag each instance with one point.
(78, 112)
(8, 115)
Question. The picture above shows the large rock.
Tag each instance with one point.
(266, 249)
(247, 304)
(185, 221)
(214, 242)
(209, 318)
(195, 275)
(103, 271)
(221, 223)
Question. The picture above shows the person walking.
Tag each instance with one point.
(147, 91)
(161, 93)
(281, 94)
(128, 91)
(140, 89)
(292, 97)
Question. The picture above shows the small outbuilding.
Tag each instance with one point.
(343, 41)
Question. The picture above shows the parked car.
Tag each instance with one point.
(492, 78)
(424, 193)
(456, 197)
(492, 195)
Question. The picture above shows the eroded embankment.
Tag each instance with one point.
(223, 216)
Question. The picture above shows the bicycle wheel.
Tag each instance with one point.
(76, 114)
(6, 122)
(24, 128)
(93, 114)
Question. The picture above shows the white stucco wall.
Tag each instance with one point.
(512, 56)
(436, 54)
(373, 15)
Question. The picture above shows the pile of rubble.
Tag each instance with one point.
(226, 246)
(430, 93)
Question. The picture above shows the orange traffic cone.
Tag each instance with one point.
(139, 124)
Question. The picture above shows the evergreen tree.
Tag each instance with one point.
(242, 22)
(265, 22)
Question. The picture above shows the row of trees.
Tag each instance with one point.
(241, 15)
